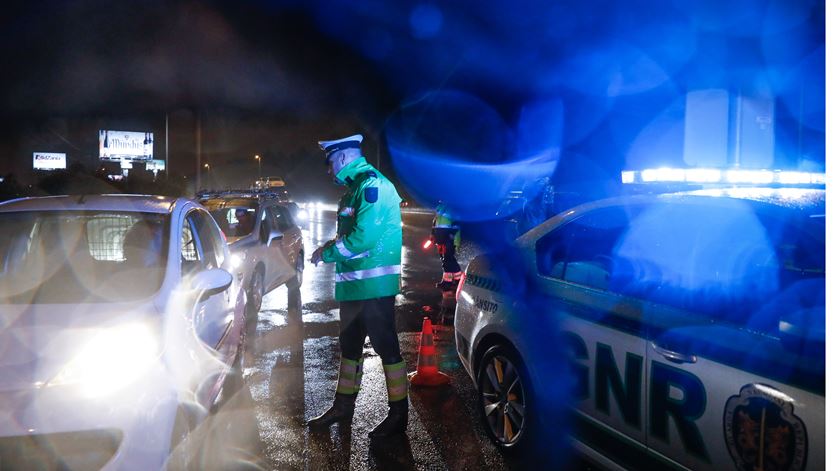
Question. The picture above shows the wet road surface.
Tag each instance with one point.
(291, 367)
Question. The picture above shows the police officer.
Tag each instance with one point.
(447, 237)
(366, 252)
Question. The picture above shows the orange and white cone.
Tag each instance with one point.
(427, 373)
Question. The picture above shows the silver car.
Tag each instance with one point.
(678, 331)
(262, 232)
(119, 326)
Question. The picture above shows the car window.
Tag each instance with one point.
(282, 220)
(202, 247)
(211, 243)
(725, 261)
(190, 260)
(266, 224)
(81, 256)
(581, 251)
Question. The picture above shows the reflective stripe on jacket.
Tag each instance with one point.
(368, 241)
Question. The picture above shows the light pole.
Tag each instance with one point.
(259, 166)
(207, 166)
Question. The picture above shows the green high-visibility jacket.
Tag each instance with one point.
(368, 241)
(443, 220)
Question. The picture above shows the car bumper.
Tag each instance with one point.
(57, 428)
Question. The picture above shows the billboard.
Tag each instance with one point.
(49, 160)
(125, 145)
(156, 165)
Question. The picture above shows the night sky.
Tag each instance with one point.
(600, 85)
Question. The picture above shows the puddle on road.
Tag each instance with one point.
(273, 319)
(320, 317)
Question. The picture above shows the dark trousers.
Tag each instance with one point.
(373, 318)
(445, 240)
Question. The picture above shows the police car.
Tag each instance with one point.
(120, 324)
(683, 330)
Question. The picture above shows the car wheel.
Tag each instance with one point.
(505, 398)
(255, 293)
(296, 281)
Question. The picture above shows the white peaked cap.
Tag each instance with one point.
(344, 143)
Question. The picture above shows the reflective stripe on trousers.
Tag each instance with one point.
(349, 376)
(396, 380)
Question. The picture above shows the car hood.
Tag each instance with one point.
(37, 341)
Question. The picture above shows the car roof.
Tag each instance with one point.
(807, 201)
(109, 202)
(804, 199)
(798, 202)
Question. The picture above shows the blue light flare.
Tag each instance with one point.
(451, 146)
(626, 72)
(688, 258)
(426, 21)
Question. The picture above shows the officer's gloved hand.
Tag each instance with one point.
(316, 256)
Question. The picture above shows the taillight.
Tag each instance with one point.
(460, 285)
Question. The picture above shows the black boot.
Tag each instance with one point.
(341, 409)
(395, 423)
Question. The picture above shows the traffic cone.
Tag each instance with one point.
(427, 373)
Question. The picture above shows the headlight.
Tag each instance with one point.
(112, 359)
(235, 261)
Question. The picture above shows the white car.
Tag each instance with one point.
(119, 324)
(679, 331)
(263, 234)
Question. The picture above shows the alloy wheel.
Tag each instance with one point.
(503, 399)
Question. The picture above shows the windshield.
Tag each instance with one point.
(235, 221)
(81, 257)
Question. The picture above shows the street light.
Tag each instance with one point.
(259, 165)
(207, 166)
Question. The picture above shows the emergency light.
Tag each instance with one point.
(716, 175)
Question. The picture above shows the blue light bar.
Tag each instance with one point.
(715, 175)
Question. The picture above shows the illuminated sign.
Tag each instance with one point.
(125, 145)
(49, 160)
(156, 165)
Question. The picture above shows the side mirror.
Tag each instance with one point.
(210, 282)
(274, 235)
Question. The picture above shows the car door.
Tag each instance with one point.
(602, 332)
(270, 252)
(203, 249)
(745, 389)
(291, 235)
(275, 252)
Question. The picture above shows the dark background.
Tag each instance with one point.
(237, 79)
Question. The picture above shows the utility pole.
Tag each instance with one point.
(197, 150)
(166, 143)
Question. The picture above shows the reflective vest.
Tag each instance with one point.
(443, 220)
(368, 241)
